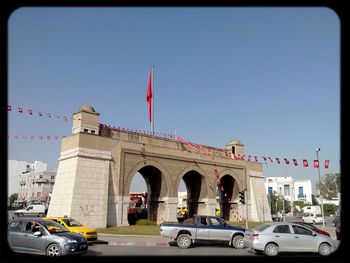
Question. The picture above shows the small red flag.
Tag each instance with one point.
(278, 160)
(305, 163)
(286, 160)
(149, 96)
(295, 162)
(256, 159)
(30, 112)
(8, 107)
(326, 164)
(316, 164)
(20, 109)
(270, 159)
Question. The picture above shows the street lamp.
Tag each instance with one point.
(319, 186)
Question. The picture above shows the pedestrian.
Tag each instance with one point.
(279, 216)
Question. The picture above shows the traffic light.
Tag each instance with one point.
(241, 197)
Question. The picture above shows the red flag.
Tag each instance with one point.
(305, 163)
(256, 158)
(20, 110)
(316, 164)
(30, 112)
(286, 160)
(278, 160)
(326, 164)
(8, 107)
(295, 162)
(149, 96)
(270, 159)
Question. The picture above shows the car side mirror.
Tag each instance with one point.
(37, 234)
(314, 234)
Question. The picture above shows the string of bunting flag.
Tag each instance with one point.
(31, 112)
(202, 149)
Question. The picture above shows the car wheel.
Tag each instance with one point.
(237, 242)
(324, 249)
(53, 250)
(271, 249)
(184, 241)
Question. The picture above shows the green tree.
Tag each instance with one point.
(13, 198)
(330, 186)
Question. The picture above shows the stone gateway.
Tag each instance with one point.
(98, 162)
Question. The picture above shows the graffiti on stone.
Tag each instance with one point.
(86, 210)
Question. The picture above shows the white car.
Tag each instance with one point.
(312, 218)
(273, 238)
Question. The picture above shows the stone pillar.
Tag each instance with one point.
(210, 205)
(81, 186)
(167, 210)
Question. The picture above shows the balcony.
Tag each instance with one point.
(301, 196)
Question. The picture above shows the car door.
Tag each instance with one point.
(282, 235)
(36, 244)
(15, 233)
(202, 228)
(218, 229)
(304, 239)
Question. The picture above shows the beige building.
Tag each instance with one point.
(98, 162)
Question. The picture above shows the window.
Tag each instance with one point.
(286, 189)
(203, 221)
(86, 130)
(15, 226)
(282, 229)
(270, 190)
(92, 131)
(215, 222)
(301, 231)
(233, 150)
(301, 191)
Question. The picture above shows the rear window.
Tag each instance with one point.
(262, 227)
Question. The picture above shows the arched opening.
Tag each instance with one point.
(227, 196)
(144, 194)
(182, 211)
(193, 183)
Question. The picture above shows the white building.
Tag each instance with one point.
(32, 181)
(14, 170)
(292, 190)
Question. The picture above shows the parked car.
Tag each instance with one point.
(45, 237)
(273, 238)
(31, 210)
(312, 227)
(74, 226)
(312, 218)
(202, 227)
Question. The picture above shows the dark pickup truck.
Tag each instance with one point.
(202, 227)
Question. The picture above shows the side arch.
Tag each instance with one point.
(165, 189)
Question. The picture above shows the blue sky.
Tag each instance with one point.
(269, 77)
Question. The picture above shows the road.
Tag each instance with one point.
(117, 245)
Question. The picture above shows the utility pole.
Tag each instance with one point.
(319, 185)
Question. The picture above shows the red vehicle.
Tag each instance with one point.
(137, 207)
(312, 227)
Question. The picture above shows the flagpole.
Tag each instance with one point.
(152, 85)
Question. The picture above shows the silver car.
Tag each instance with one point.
(272, 238)
(42, 236)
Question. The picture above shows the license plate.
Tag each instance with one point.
(83, 246)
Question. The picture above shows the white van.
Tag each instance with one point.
(31, 210)
(316, 209)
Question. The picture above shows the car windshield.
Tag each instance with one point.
(53, 227)
(71, 222)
